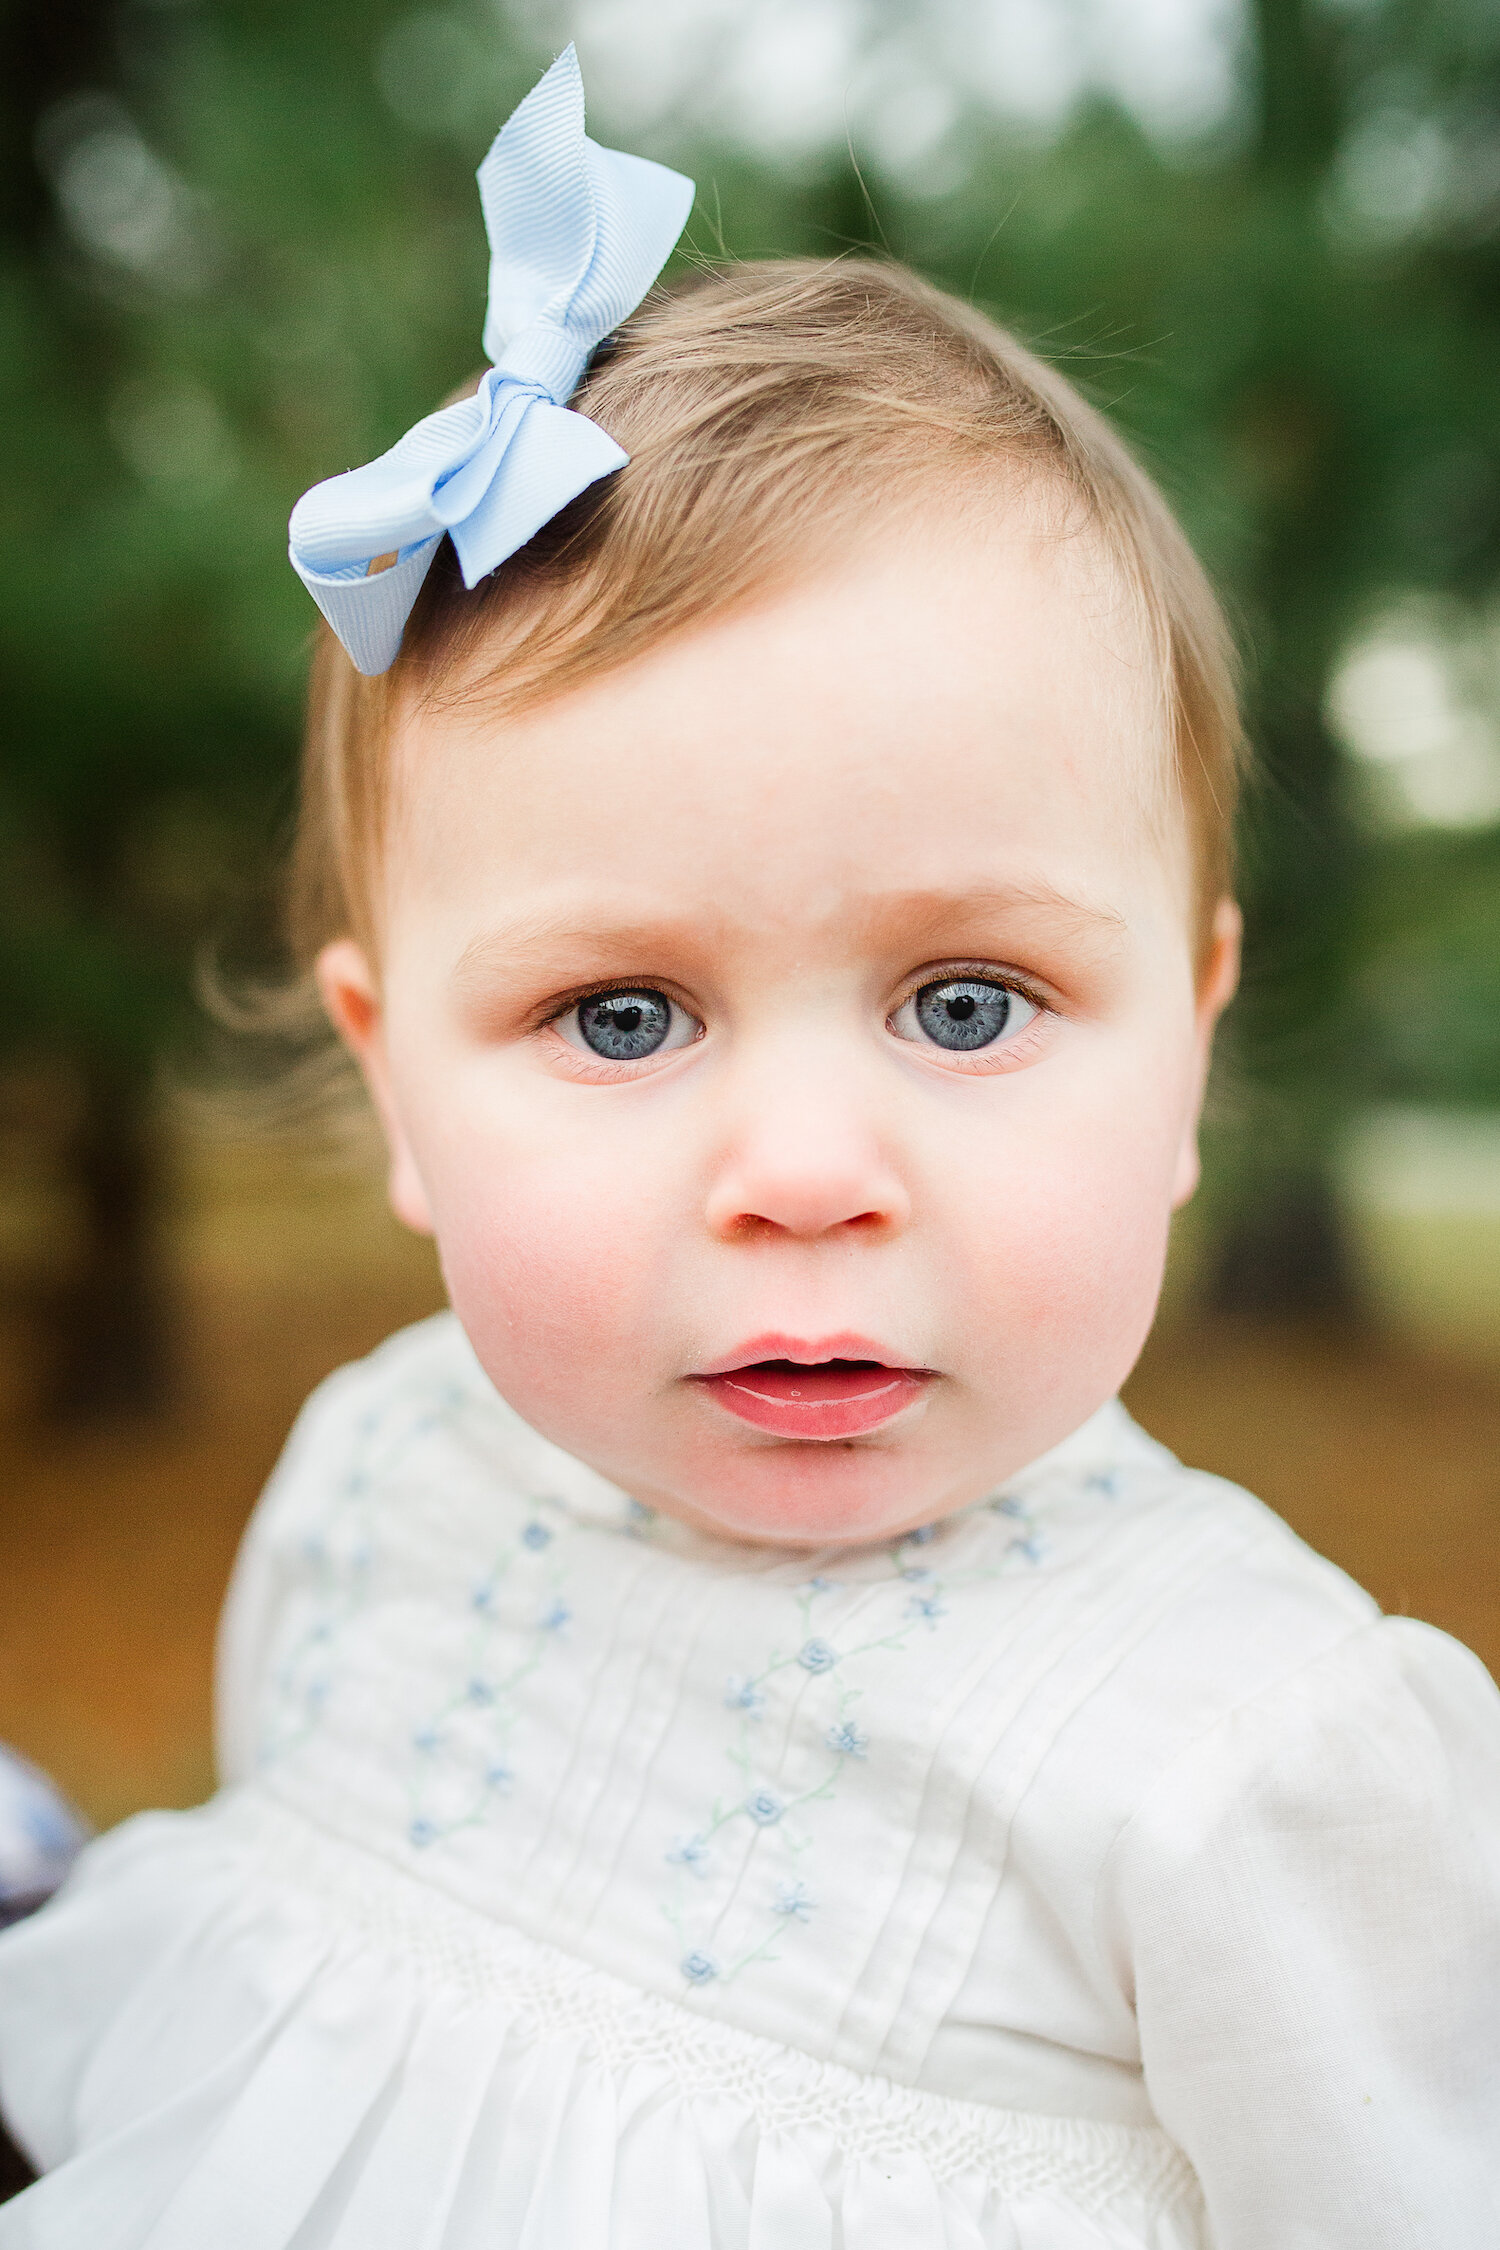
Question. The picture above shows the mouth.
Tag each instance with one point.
(839, 1389)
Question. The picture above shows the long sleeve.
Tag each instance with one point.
(1307, 1906)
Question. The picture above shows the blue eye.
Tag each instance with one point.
(625, 1026)
(629, 1026)
(963, 1014)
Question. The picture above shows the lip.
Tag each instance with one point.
(826, 1388)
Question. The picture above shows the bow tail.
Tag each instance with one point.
(366, 604)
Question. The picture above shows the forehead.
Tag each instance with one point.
(958, 703)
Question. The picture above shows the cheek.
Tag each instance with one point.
(1065, 1251)
(555, 1255)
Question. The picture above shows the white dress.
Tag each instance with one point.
(1098, 1871)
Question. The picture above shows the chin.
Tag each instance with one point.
(851, 1492)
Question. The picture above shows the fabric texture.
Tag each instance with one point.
(577, 236)
(1094, 1870)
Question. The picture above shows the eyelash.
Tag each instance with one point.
(980, 972)
(557, 1009)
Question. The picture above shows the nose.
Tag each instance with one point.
(805, 1160)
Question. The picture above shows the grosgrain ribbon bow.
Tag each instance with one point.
(577, 235)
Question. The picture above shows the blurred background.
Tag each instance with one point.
(240, 249)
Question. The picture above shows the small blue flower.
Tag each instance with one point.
(764, 1807)
(1009, 1507)
(317, 1694)
(426, 1738)
(915, 1573)
(795, 1901)
(741, 1694)
(482, 1597)
(693, 1852)
(817, 1656)
(555, 1617)
(927, 1606)
(498, 1775)
(1031, 1548)
(1105, 1482)
(921, 1535)
(536, 1536)
(847, 1739)
(422, 1832)
(639, 1513)
(480, 1691)
(821, 1585)
(699, 1968)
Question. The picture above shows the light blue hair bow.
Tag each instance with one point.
(577, 234)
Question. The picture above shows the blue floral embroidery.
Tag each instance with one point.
(1027, 1543)
(519, 1614)
(817, 1656)
(341, 1560)
(766, 1812)
(763, 1817)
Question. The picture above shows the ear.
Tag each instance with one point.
(350, 992)
(1216, 988)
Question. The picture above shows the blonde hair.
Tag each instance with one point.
(764, 407)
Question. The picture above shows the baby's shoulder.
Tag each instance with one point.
(1254, 1655)
(1209, 1575)
(418, 1369)
(419, 1402)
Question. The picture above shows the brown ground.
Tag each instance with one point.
(115, 1545)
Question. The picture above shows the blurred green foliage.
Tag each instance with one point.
(230, 266)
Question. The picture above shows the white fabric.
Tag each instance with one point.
(1097, 1872)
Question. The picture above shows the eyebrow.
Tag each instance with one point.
(1088, 917)
(918, 914)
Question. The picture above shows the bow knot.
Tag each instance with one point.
(548, 357)
(577, 235)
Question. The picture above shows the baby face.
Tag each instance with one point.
(793, 1039)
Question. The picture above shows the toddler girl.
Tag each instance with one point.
(731, 1737)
